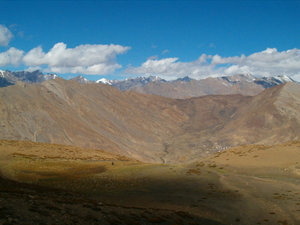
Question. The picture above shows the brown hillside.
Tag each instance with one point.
(92, 116)
(270, 118)
(146, 127)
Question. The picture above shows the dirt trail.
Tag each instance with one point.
(257, 201)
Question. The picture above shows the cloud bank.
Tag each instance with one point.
(5, 35)
(101, 60)
(86, 59)
(269, 62)
(11, 56)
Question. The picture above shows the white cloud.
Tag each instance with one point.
(269, 62)
(5, 35)
(171, 68)
(86, 59)
(33, 68)
(11, 56)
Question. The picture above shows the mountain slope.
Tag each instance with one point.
(147, 127)
(269, 118)
(88, 115)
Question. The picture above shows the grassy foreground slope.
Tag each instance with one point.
(245, 185)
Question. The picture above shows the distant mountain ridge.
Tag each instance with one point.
(185, 87)
(82, 80)
(131, 83)
(8, 78)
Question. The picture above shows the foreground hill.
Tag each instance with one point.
(146, 127)
(248, 185)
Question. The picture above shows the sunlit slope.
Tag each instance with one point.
(147, 127)
(217, 123)
(91, 116)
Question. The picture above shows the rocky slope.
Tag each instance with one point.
(88, 115)
(146, 127)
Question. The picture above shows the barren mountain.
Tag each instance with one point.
(219, 122)
(88, 115)
(82, 80)
(186, 87)
(146, 127)
(8, 78)
(132, 83)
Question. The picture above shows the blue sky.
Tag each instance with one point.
(166, 38)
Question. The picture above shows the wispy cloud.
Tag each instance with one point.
(5, 35)
(153, 57)
(165, 51)
(265, 63)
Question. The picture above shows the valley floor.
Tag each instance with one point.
(232, 187)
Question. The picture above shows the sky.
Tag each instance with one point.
(171, 39)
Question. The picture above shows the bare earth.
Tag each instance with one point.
(253, 184)
(148, 128)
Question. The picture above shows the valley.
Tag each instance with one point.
(89, 152)
(148, 128)
(149, 112)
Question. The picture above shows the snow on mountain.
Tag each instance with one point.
(130, 83)
(82, 80)
(268, 82)
(50, 76)
(284, 78)
(238, 78)
(10, 78)
(104, 81)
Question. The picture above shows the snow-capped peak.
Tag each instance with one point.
(104, 81)
(284, 78)
(50, 76)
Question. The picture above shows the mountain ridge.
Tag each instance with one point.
(185, 87)
(148, 128)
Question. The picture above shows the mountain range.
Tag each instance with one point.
(8, 78)
(187, 87)
(146, 127)
(181, 88)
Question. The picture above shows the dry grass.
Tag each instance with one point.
(216, 188)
